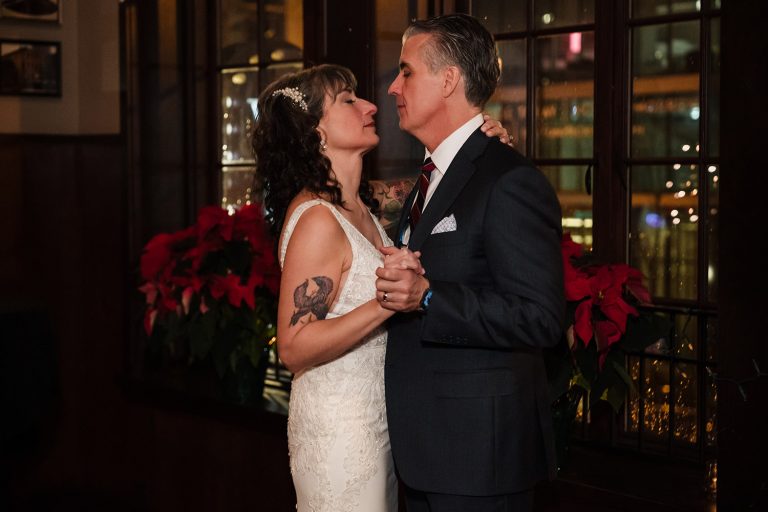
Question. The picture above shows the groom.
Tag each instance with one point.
(467, 401)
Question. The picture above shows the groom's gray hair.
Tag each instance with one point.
(461, 40)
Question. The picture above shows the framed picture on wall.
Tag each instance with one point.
(32, 10)
(30, 68)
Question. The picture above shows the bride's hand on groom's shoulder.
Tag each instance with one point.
(403, 259)
(493, 128)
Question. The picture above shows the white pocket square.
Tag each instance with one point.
(446, 225)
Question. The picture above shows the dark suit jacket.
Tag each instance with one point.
(467, 399)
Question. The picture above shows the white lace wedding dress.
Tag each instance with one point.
(337, 421)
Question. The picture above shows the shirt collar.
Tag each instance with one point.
(447, 150)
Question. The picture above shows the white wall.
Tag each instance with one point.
(90, 101)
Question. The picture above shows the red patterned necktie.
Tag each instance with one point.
(421, 195)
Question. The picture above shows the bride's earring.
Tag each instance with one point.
(323, 143)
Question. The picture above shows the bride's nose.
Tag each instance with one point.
(368, 107)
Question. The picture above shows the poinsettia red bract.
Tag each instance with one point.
(600, 289)
(198, 262)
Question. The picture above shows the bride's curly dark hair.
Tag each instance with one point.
(287, 144)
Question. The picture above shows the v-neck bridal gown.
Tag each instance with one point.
(337, 421)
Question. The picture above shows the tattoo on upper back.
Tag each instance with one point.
(314, 303)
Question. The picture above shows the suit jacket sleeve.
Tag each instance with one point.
(521, 241)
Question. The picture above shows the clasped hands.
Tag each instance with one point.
(401, 283)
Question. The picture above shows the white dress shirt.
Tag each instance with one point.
(442, 158)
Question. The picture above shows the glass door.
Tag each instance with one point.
(546, 97)
(258, 41)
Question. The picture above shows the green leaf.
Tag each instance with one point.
(253, 348)
(582, 382)
(220, 360)
(586, 360)
(614, 395)
(607, 378)
(202, 334)
(614, 381)
(200, 343)
(227, 314)
(234, 357)
(226, 341)
(622, 371)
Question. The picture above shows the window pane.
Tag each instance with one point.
(686, 403)
(559, 13)
(564, 95)
(239, 92)
(646, 8)
(282, 37)
(713, 107)
(656, 402)
(665, 90)
(713, 249)
(499, 17)
(239, 31)
(398, 154)
(508, 102)
(236, 186)
(711, 349)
(710, 415)
(663, 228)
(576, 204)
(632, 412)
(686, 336)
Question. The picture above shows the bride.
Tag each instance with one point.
(309, 140)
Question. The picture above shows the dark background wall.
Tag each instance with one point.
(73, 434)
(743, 419)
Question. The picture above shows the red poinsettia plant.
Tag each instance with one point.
(605, 288)
(211, 290)
(605, 322)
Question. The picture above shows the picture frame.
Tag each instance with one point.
(47, 11)
(30, 68)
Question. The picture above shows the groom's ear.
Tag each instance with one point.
(451, 80)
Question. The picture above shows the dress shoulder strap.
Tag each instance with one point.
(294, 219)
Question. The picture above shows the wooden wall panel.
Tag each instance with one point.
(77, 438)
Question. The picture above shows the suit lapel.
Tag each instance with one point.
(456, 177)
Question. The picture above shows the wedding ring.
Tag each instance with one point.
(385, 297)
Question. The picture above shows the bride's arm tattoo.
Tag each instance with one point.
(316, 303)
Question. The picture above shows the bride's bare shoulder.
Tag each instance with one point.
(316, 224)
(300, 198)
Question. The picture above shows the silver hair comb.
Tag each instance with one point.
(293, 94)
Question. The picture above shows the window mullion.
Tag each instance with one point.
(610, 190)
(530, 98)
